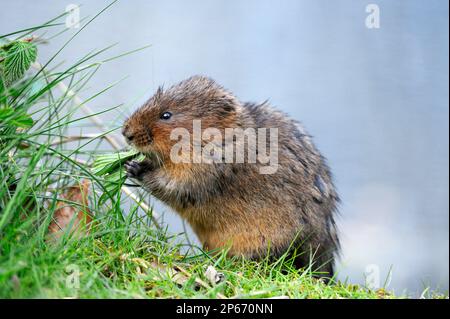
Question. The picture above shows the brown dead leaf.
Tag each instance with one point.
(76, 216)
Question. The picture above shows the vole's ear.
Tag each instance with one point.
(226, 103)
(229, 105)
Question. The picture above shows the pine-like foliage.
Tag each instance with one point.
(15, 59)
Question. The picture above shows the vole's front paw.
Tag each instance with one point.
(136, 169)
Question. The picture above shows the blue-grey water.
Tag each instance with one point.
(375, 100)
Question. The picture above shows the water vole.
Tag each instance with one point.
(234, 205)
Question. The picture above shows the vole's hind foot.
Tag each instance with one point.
(137, 170)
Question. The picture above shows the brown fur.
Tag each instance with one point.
(233, 204)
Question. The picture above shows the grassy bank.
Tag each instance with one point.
(117, 264)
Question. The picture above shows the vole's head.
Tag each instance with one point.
(197, 98)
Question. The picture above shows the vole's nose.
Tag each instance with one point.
(126, 132)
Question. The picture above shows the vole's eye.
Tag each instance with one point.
(166, 116)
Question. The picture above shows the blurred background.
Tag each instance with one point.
(376, 101)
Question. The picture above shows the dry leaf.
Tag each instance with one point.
(76, 216)
(213, 276)
(163, 270)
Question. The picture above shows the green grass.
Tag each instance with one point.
(119, 265)
(124, 254)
